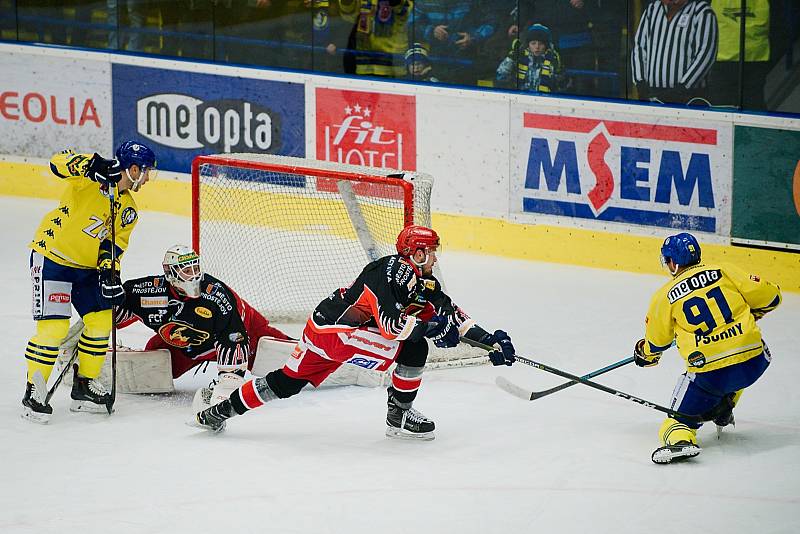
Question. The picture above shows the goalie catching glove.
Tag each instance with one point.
(644, 360)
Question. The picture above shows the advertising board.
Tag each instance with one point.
(48, 104)
(629, 169)
(185, 114)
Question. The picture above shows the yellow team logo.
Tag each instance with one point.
(203, 312)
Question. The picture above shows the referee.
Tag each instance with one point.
(675, 46)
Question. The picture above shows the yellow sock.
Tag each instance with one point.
(42, 350)
(672, 431)
(93, 343)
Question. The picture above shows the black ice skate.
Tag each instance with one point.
(683, 450)
(723, 420)
(213, 418)
(33, 407)
(88, 394)
(407, 423)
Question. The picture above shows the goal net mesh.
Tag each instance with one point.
(285, 232)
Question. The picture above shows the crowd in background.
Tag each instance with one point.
(674, 51)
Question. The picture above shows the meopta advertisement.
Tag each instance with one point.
(185, 114)
(49, 103)
(589, 165)
(367, 128)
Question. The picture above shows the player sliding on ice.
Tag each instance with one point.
(71, 265)
(383, 317)
(710, 311)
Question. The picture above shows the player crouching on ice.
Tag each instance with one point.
(710, 311)
(71, 265)
(384, 316)
(197, 318)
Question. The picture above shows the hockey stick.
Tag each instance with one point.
(575, 378)
(113, 396)
(533, 395)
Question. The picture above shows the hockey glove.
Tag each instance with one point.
(111, 287)
(106, 172)
(504, 356)
(442, 331)
(643, 360)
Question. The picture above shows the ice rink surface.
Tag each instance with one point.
(575, 462)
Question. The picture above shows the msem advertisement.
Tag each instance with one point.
(185, 114)
(632, 169)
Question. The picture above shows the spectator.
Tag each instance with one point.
(674, 48)
(536, 67)
(379, 37)
(135, 23)
(725, 73)
(418, 64)
(456, 31)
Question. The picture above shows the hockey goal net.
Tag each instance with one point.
(284, 232)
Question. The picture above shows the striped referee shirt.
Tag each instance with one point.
(675, 53)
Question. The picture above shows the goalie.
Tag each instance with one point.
(197, 318)
(384, 316)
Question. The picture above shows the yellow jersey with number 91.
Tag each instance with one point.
(706, 309)
(72, 233)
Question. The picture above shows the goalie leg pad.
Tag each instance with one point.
(141, 371)
(271, 354)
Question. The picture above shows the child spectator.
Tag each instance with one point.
(418, 64)
(537, 66)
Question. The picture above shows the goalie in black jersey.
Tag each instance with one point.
(198, 318)
(382, 318)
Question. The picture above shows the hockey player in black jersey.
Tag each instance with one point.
(384, 317)
(197, 318)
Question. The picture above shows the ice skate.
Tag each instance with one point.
(407, 423)
(33, 407)
(683, 450)
(88, 395)
(213, 418)
(723, 421)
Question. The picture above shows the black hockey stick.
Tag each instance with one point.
(113, 396)
(575, 378)
(61, 375)
(533, 395)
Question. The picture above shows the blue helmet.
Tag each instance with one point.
(683, 249)
(134, 153)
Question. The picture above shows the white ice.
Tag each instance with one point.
(575, 462)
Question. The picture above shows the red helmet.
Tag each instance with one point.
(416, 237)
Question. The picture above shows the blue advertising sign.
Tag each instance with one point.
(181, 115)
(640, 171)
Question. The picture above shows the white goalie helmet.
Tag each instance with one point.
(182, 270)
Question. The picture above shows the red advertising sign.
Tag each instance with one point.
(372, 129)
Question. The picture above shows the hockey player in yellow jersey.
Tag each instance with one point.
(71, 266)
(710, 312)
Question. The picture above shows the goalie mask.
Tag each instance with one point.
(182, 270)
